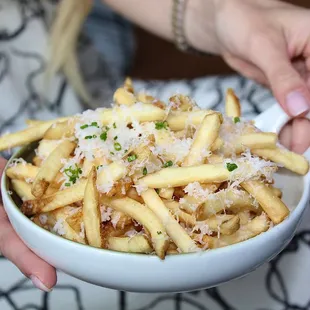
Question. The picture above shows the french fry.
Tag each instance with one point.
(120, 220)
(125, 97)
(24, 137)
(181, 176)
(33, 122)
(37, 161)
(111, 174)
(232, 200)
(232, 104)
(60, 130)
(191, 203)
(231, 226)
(133, 194)
(22, 189)
(180, 120)
(216, 221)
(182, 103)
(175, 231)
(146, 217)
(50, 168)
(141, 113)
(58, 200)
(74, 217)
(218, 143)
(91, 211)
(182, 216)
(291, 161)
(276, 191)
(257, 140)
(203, 140)
(274, 207)
(142, 97)
(136, 244)
(22, 172)
(166, 193)
(253, 228)
(128, 85)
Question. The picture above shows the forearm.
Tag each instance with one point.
(155, 16)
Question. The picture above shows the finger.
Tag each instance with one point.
(42, 274)
(288, 86)
(247, 69)
(300, 135)
(285, 136)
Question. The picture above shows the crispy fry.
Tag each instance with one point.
(261, 140)
(33, 122)
(50, 168)
(22, 189)
(22, 171)
(60, 130)
(91, 211)
(146, 217)
(232, 200)
(133, 194)
(232, 105)
(291, 161)
(274, 207)
(180, 120)
(231, 226)
(255, 227)
(181, 176)
(124, 96)
(203, 140)
(136, 244)
(24, 137)
(184, 217)
(182, 103)
(142, 97)
(166, 193)
(112, 173)
(276, 191)
(141, 113)
(58, 200)
(128, 85)
(37, 161)
(175, 231)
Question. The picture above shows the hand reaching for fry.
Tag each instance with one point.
(42, 275)
(267, 41)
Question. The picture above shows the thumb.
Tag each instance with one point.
(288, 87)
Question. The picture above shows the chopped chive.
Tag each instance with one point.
(99, 167)
(144, 171)
(157, 190)
(117, 146)
(231, 167)
(112, 153)
(104, 136)
(67, 184)
(94, 136)
(159, 233)
(168, 164)
(114, 125)
(84, 126)
(132, 158)
(94, 124)
(115, 138)
(126, 151)
(161, 125)
(88, 137)
(73, 173)
(236, 120)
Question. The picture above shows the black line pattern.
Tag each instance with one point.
(252, 98)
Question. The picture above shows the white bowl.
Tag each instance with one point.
(177, 273)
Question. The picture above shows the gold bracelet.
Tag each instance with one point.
(178, 12)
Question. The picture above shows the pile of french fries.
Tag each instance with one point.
(150, 177)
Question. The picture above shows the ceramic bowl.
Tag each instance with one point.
(177, 273)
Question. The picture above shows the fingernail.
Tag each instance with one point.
(38, 284)
(296, 103)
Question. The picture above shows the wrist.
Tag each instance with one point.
(199, 25)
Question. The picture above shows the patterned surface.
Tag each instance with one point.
(279, 285)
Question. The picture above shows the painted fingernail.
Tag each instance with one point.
(296, 103)
(38, 284)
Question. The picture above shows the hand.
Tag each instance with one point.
(267, 41)
(42, 275)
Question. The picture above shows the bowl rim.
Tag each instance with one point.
(24, 220)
